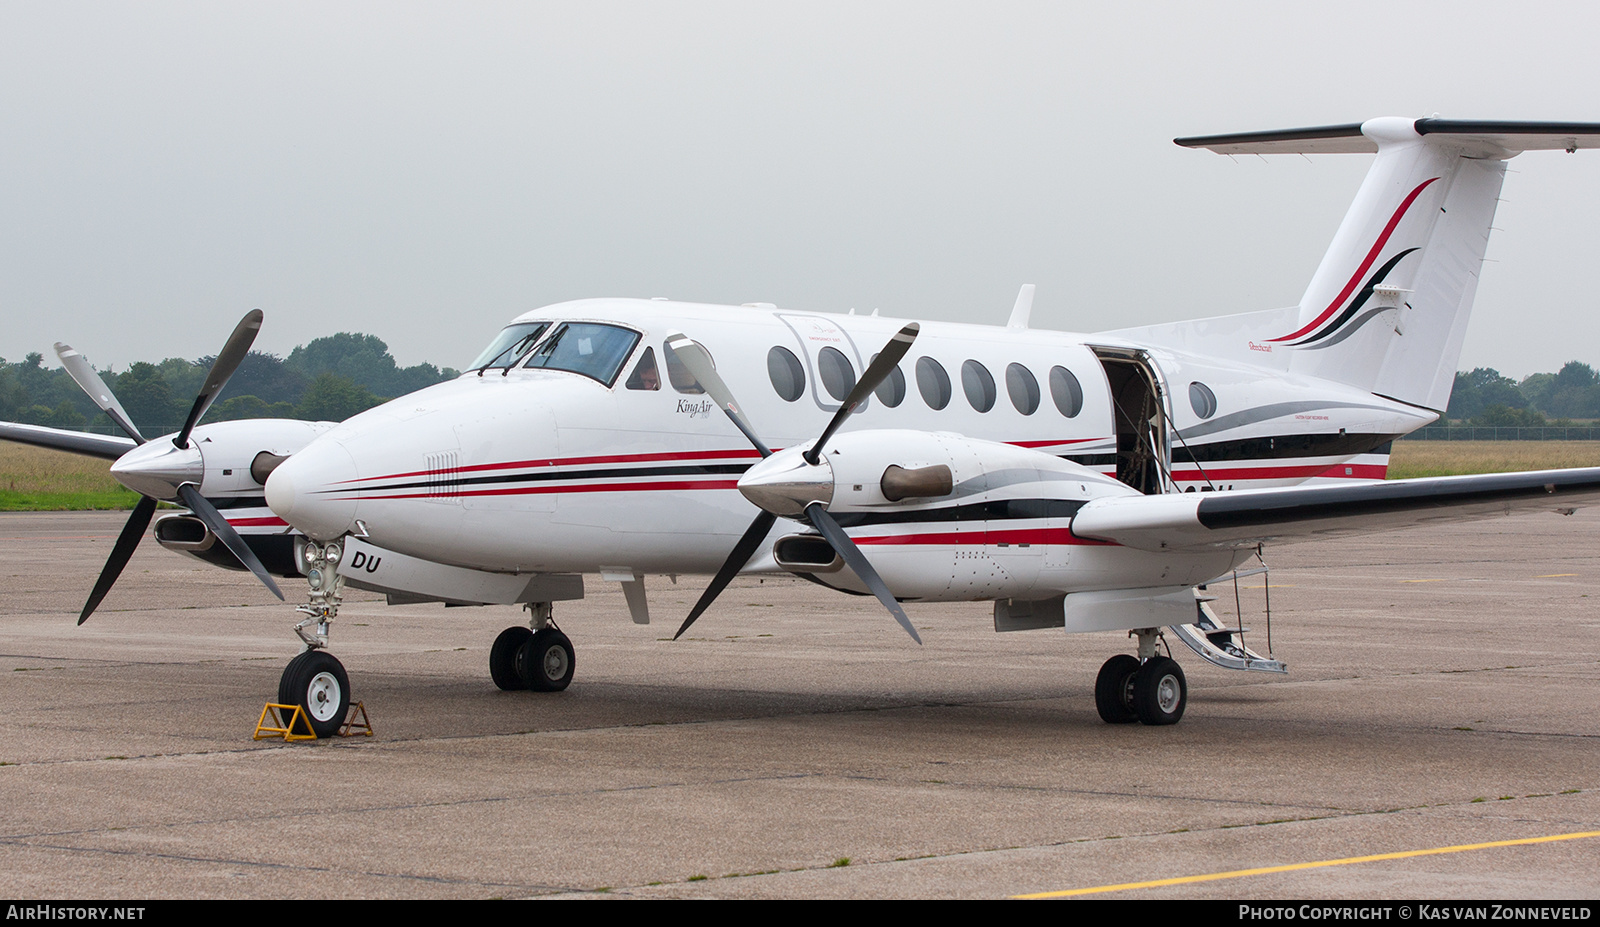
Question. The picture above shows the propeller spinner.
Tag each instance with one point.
(794, 483)
(158, 471)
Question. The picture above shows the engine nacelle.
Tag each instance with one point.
(944, 517)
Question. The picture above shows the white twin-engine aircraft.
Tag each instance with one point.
(1085, 482)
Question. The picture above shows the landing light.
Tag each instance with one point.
(332, 553)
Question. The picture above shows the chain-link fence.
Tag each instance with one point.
(1506, 433)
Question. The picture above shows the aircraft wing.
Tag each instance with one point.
(108, 446)
(1247, 517)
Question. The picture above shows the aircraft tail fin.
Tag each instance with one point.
(1386, 310)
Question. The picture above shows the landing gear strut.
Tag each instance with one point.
(1149, 688)
(538, 657)
(316, 680)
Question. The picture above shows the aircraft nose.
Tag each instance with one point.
(314, 490)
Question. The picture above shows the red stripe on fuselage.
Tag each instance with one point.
(540, 490)
(568, 462)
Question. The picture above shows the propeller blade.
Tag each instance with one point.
(228, 360)
(77, 367)
(132, 531)
(698, 360)
(857, 561)
(886, 360)
(219, 526)
(742, 552)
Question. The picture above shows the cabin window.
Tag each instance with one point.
(1202, 400)
(978, 384)
(788, 377)
(510, 345)
(645, 375)
(591, 349)
(678, 375)
(1066, 392)
(933, 383)
(838, 377)
(892, 391)
(1022, 388)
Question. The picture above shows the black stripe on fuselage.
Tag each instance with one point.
(541, 477)
(1267, 448)
(1282, 447)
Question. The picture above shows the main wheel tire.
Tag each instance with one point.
(503, 659)
(1160, 691)
(1113, 690)
(545, 662)
(317, 682)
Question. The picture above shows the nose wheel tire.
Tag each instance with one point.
(1113, 690)
(317, 682)
(503, 659)
(545, 661)
(1160, 691)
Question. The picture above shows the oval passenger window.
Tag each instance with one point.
(1066, 392)
(892, 391)
(838, 377)
(1202, 400)
(933, 383)
(978, 384)
(1022, 388)
(788, 377)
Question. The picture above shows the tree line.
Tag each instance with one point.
(333, 378)
(328, 379)
(1483, 397)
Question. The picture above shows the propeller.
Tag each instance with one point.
(698, 361)
(158, 472)
(77, 367)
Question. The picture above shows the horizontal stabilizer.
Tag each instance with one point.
(1349, 138)
(1247, 517)
(108, 446)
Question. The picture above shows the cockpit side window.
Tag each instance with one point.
(510, 345)
(645, 375)
(678, 375)
(589, 348)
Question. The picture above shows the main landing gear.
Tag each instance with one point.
(538, 657)
(1147, 688)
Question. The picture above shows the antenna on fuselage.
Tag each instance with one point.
(1022, 309)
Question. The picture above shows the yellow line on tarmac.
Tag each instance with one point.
(1267, 870)
(1554, 575)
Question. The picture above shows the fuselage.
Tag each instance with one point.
(611, 458)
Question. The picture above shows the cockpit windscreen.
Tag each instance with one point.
(510, 345)
(588, 348)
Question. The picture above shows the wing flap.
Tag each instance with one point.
(1247, 517)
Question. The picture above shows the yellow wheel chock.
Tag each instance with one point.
(298, 726)
(281, 728)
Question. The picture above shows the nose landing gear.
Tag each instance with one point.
(316, 680)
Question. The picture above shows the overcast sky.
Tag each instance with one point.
(424, 172)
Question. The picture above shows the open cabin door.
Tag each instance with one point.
(1140, 417)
